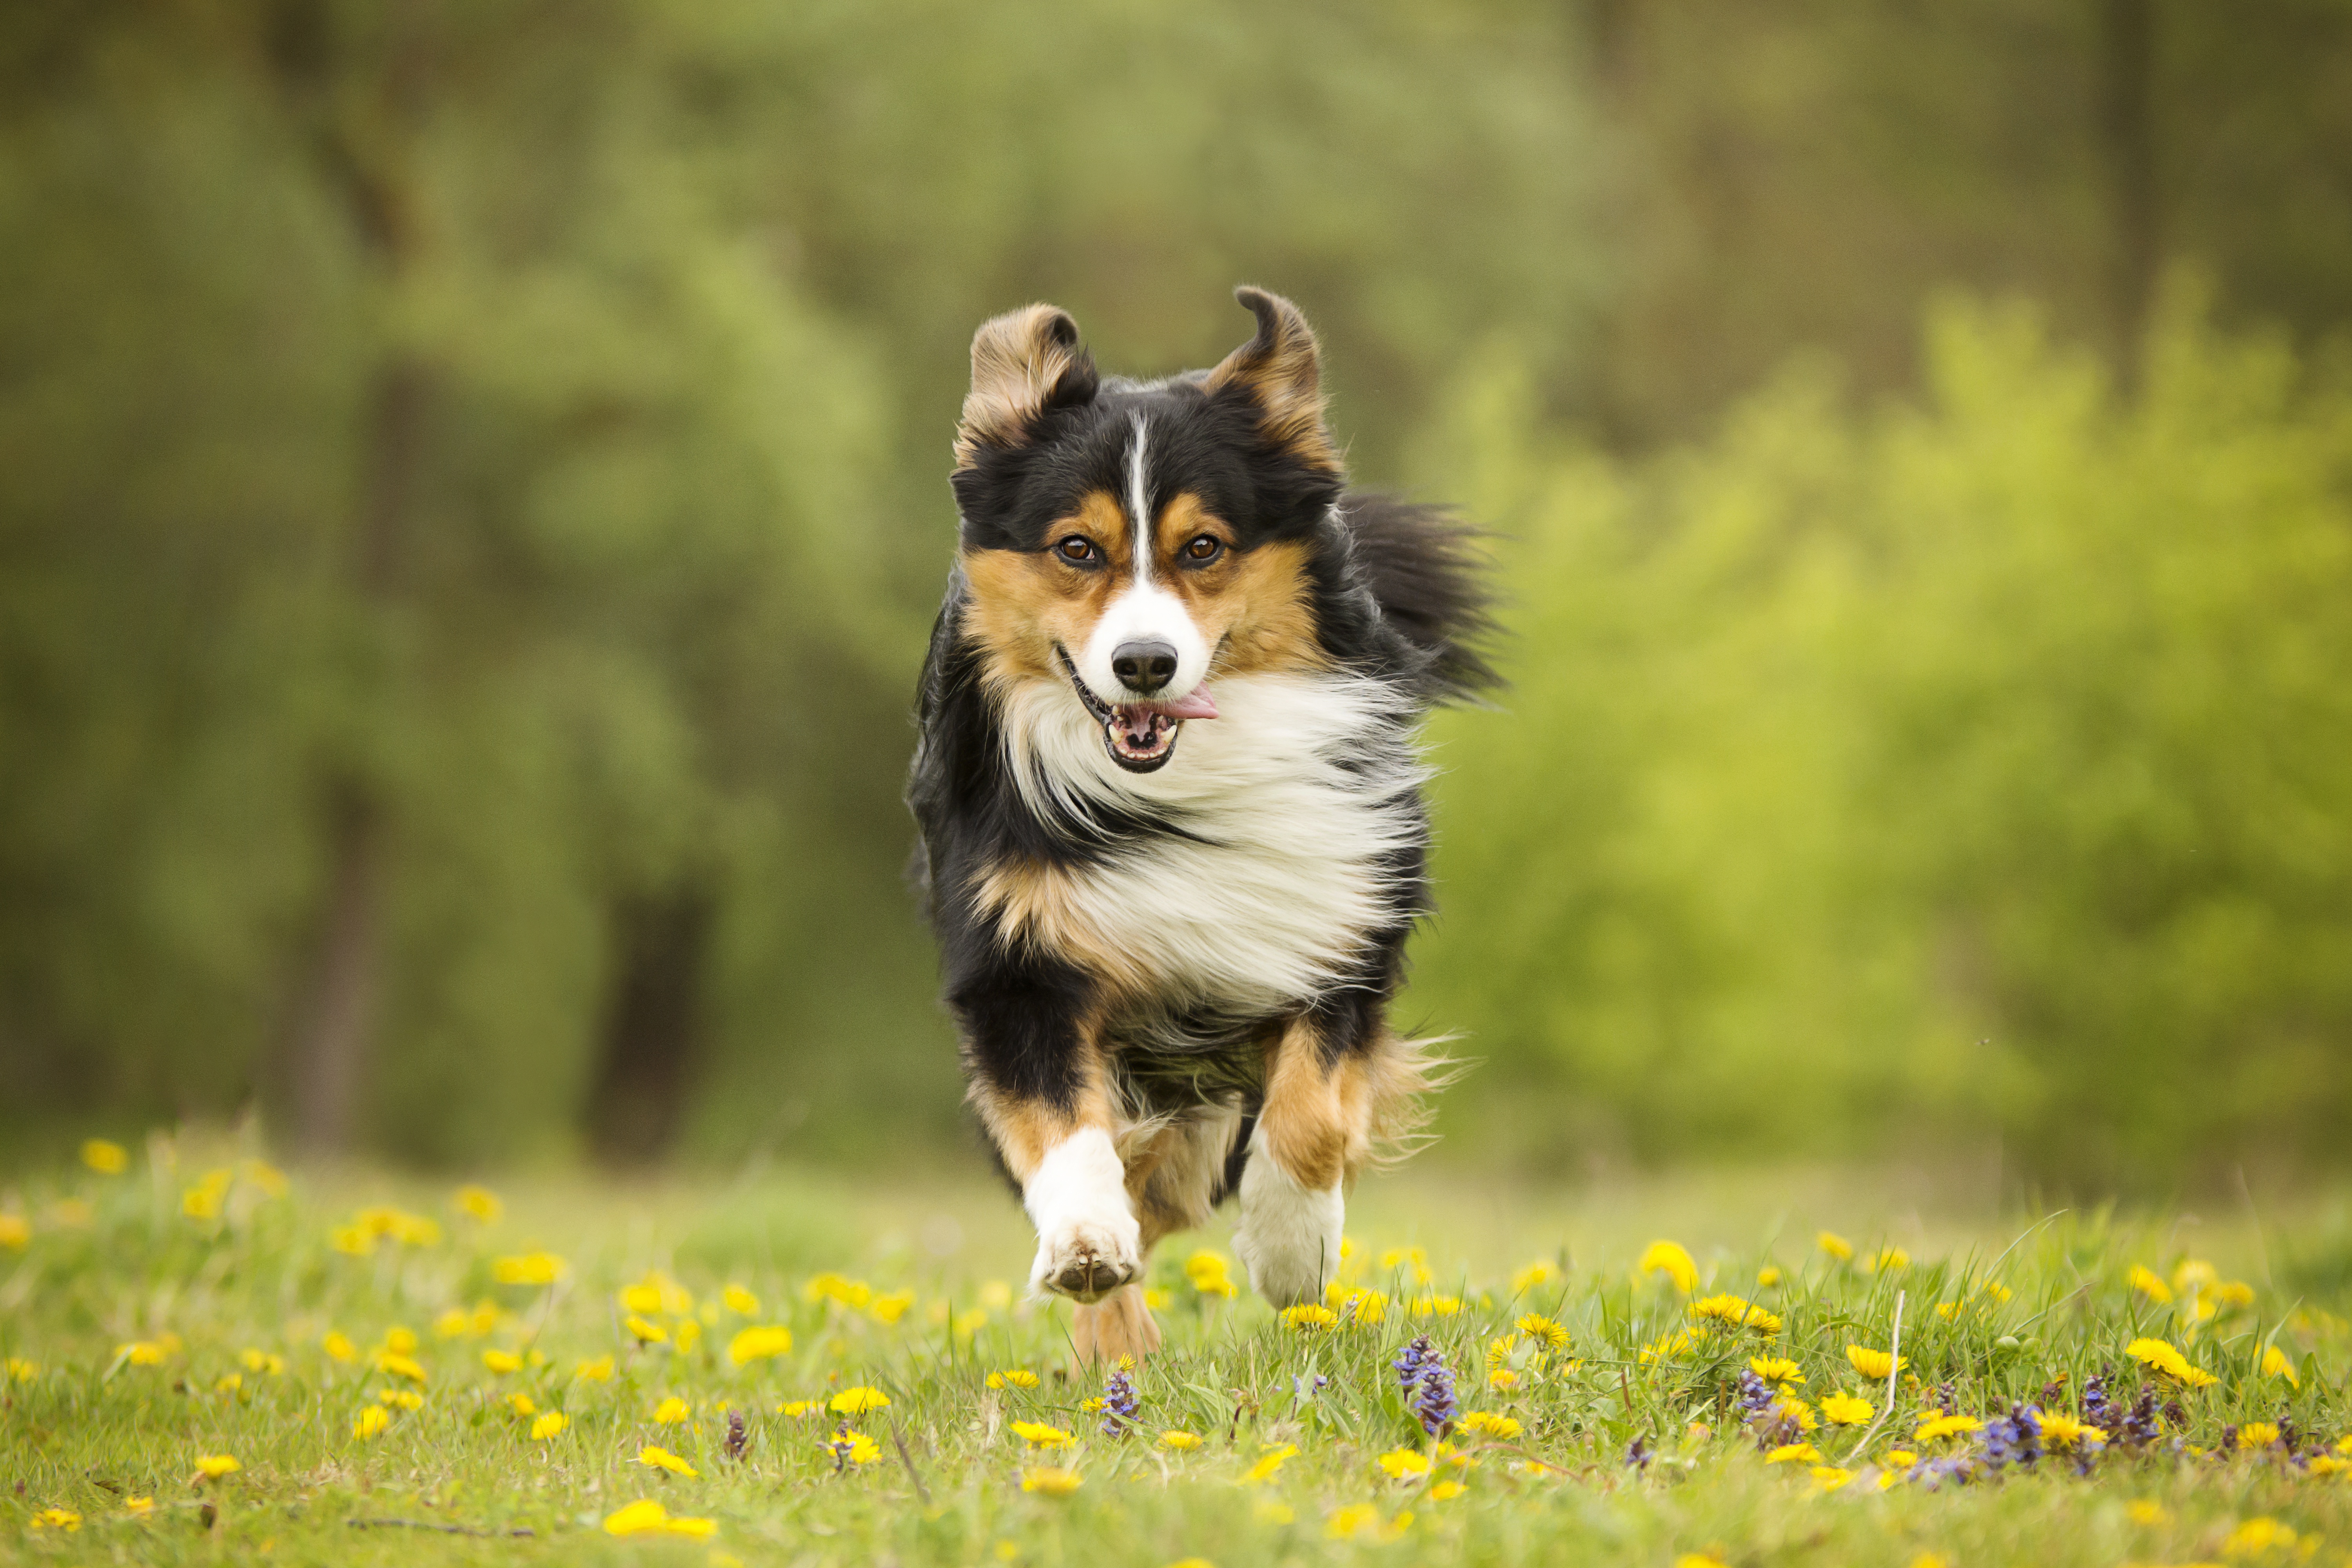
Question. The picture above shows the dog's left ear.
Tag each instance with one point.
(1282, 372)
(1023, 362)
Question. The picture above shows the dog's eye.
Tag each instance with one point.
(1204, 549)
(1076, 551)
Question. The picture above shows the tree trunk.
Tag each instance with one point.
(2127, 131)
(337, 1007)
(653, 1027)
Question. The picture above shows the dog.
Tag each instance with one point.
(1173, 832)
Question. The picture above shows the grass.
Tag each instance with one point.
(234, 1305)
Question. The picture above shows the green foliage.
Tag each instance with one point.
(1973, 766)
(270, 1323)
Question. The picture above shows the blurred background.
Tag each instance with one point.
(472, 498)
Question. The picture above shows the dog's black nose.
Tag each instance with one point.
(1143, 665)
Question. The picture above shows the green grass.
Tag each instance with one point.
(84, 1429)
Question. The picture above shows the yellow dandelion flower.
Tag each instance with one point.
(1355, 1304)
(858, 1400)
(2275, 1364)
(522, 1404)
(1052, 1480)
(64, 1519)
(1446, 1491)
(1845, 1410)
(1794, 1453)
(1308, 1317)
(1533, 1276)
(1271, 1460)
(2254, 1537)
(396, 1364)
(455, 1324)
(1491, 1425)
(1834, 1244)
(644, 1332)
(2160, 1355)
(477, 1204)
(2234, 1294)
(373, 1419)
(548, 1425)
(890, 1307)
(139, 1507)
(597, 1371)
(855, 1294)
(671, 1411)
(2258, 1435)
(1669, 1259)
(1738, 1313)
(406, 1398)
(1902, 1458)
(1542, 1328)
(339, 1347)
(2147, 1513)
(1698, 1560)
(228, 1383)
(528, 1269)
(2060, 1430)
(1890, 1258)
(1013, 1377)
(1435, 1306)
(1184, 1442)
(213, 1466)
(740, 1302)
(1502, 1379)
(1775, 1369)
(2144, 1280)
(501, 1361)
(352, 1241)
(1768, 1275)
(19, 1370)
(649, 1518)
(1933, 1427)
(1404, 1463)
(763, 1342)
(141, 1352)
(105, 1156)
(663, 1460)
(1038, 1435)
(1831, 1477)
(1873, 1364)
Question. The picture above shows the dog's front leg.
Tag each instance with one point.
(1312, 1133)
(1037, 1079)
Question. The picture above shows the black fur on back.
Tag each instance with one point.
(1420, 564)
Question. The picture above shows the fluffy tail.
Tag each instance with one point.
(1421, 566)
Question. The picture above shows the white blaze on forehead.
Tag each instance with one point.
(1143, 611)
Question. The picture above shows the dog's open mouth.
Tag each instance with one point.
(1140, 736)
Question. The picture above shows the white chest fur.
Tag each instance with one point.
(1291, 801)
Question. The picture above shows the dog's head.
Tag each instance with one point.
(1131, 540)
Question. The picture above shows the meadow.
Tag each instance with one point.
(207, 1357)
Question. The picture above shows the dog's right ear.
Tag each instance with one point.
(1023, 363)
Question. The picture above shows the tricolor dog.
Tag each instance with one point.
(1174, 835)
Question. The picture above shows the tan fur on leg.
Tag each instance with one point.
(1118, 1325)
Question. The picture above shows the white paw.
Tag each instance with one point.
(1088, 1243)
(1289, 1235)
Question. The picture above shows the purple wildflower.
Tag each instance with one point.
(1638, 1453)
(1409, 1365)
(2012, 1440)
(1434, 1401)
(1119, 1404)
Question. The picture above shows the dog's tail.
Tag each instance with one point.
(1423, 568)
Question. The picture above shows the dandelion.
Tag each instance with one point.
(105, 1156)
(139, 1507)
(2234, 1294)
(1404, 1463)
(1668, 1258)
(548, 1425)
(477, 1204)
(1435, 1306)
(1890, 1258)
(1052, 1480)
(1845, 1410)
(1445, 1491)
(1038, 1435)
(528, 1269)
(1184, 1442)
(1502, 1379)
(16, 1232)
(213, 1466)
(2158, 1355)
(58, 1518)
(203, 1200)
(890, 1307)
(2258, 1435)
(19, 1370)
(1533, 1276)
(764, 1343)
(396, 1364)
(373, 1419)
(1536, 1326)
(644, 1333)
(1014, 1377)
(597, 1371)
(2256, 1536)
(1873, 1364)
(1935, 1426)
(1775, 1369)
(522, 1404)
(671, 1411)
(2275, 1364)
(1413, 1259)
(1738, 1313)
(2149, 1513)
(1831, 1477)
(858, 1400)
(2144, 1280)
(740, 1302)
(2060, 1430)
(501, 1361)
(855, 1294)
(1309, 1317)
(663, 1460)
(1356, 1304)
(1271, 1458)
(649, 1518)
(1794, 1453)
(1487, 1424)
(1767, 1277)
(141, 1352)
(1834, 1244)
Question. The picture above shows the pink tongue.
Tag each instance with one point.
(1194, 704)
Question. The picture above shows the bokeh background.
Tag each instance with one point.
(472, 496)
